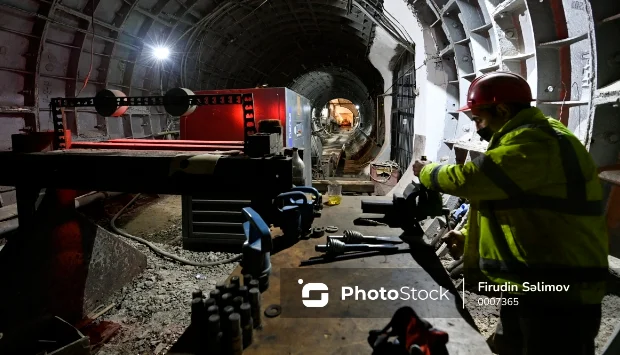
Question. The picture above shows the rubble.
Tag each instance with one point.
(154, 309)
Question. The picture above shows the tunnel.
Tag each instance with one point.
(406, 63)
(399, 70)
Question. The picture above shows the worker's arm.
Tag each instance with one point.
(493, 174)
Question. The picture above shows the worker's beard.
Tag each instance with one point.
(485, 133)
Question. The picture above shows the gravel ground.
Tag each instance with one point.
(154, 310)
(486, 317)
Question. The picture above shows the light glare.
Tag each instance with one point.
(161, 53)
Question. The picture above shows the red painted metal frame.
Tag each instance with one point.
(151, 146)
(561, 30)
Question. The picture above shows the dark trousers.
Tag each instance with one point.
(543, 329)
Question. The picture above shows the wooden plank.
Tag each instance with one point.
(347, 185)
(282, 335)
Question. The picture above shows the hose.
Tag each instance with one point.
(158, 251)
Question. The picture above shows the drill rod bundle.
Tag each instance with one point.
(227, 318)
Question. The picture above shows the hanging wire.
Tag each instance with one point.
(563, 99)
(92, 43)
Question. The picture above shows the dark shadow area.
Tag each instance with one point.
(61, 264)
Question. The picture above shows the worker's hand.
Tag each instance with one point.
(456, 243)
(418, 165)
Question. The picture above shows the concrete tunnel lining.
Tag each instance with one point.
(566, 49)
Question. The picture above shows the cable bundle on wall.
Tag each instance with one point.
(389, 23)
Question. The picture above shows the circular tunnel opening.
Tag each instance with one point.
(338, 119)
(343, 117)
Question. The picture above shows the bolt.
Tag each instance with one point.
(465, 58)
(510, 34)
(549, 88)
(466, 129)
(455, 25)
(612, 138)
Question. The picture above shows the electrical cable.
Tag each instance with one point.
(196, 30)
(393, 167)
(92, 42)
(405, 73)
(156, 249)
(563, 99)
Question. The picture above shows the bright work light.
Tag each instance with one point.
(161, 53)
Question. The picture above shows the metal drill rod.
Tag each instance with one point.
(371, 240)
(360, 247)
(355, 237)
(333, 258)
(335, 246)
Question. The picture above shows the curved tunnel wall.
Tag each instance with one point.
(229, 44)
(565, 48)
(552, 43)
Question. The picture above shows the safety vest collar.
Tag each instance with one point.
(531, 115)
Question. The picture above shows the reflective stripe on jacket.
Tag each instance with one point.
(537, 210)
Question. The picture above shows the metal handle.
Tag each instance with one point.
(309, 190)
(281, 198)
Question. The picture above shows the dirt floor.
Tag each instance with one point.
(154, 309)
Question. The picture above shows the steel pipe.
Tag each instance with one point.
(149, 146)
(179, 141)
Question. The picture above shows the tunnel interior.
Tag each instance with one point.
(402, 68)
(407, 64)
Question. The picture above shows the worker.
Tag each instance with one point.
(536, 222)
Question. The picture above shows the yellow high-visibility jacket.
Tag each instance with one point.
(536, 211)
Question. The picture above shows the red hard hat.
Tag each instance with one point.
(498, 88)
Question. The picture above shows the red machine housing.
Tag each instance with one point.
(225, 122)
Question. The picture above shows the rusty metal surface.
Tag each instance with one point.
(62, 264)
(348, 336)
(113, 263)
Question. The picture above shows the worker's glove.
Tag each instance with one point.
(418, 165)
(456, 243)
